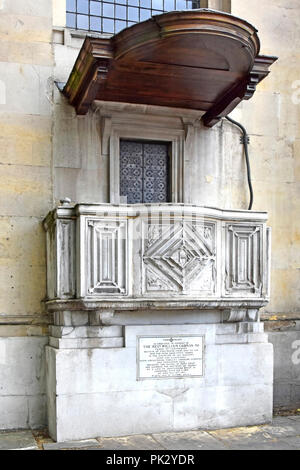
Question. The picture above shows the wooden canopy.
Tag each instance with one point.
(196, 59)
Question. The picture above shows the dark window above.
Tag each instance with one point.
(144, 172)
(111, 16)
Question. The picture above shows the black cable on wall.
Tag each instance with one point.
(245, 141)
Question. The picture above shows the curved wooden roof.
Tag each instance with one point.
(196, 59)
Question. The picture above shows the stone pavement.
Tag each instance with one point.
(282, 434)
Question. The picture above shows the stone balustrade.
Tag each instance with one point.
(158, 256)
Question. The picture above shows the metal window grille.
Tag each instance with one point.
(144, 171)
(111, 16)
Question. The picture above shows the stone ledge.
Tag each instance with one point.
(71, 445)
(270, 317)
(282, 325)
(242, 338)
(67, 332)
(17, 440)
(56, 306)
(86, 343)
(22, 320)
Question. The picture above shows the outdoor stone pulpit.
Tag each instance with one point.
(155, 319)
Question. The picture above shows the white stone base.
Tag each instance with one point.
(22, 382)
(94, 391)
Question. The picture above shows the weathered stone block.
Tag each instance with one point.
(24, 190)
(17, 295)
(23, 388)
(25, 28)
(25, 140)
(39, 53)
(28, 8)
(22, 241)
(35, 79)
(286, 368)
(25, 377)
(93, 387)
(223, 407)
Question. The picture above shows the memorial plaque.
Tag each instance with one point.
(161, 357)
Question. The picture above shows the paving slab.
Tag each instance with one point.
(293, 442)
(71, 445)
(17, 440)
(251, 435)
(141, 442)
(283, 426)
(270, 445)
(189, 440)
(294, 418)
(283, 420)
(282, 434)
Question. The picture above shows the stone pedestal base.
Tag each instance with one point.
(93, 388)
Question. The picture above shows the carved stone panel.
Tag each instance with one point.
(51, 261)
(106, 257)
(179, 258)
(243, 269)
(61, 259)
(66, 258)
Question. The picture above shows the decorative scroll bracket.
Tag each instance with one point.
(240, 92)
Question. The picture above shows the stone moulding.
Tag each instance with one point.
(159, 256)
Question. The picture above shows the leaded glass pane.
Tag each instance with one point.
(145, 15)
(157, 4)
(82, 22)
(108, 25)
(95, 8)
(71, 20)
(95, 24)
(145, 3)
(111, 16)
(120, 25)
(169, 5)
(181, 4)
(120, 12)
(108, 10)
(71, 5)
(83, 6)
(133, 14)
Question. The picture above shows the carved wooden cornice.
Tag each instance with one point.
(194, 59)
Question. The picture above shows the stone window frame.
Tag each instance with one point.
(113, 129)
